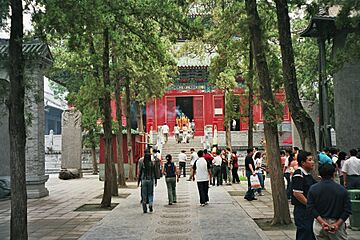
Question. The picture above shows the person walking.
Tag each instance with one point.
(301, 183)
(351, 171)
(193, 158)
(259, 172)
(330, 206)
(165, 131)
(176, 133)
(209, 158)
(182, 162)
(287, 171)
(229, 166)
(171, 177)
(201, 169)
(217, 169)
(192, 125)
(250, 171)
(185, 134)
(339, 165)
(148, 179)
(235, 163)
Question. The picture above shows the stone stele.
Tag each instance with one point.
(71, 140)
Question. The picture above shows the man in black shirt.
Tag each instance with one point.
(329, 204)
(301, 182)
(250, 170)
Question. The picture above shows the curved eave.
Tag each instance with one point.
(193, 67)
(320, 26)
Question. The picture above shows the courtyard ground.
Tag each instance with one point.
(228, 216)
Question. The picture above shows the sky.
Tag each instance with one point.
(27, 26)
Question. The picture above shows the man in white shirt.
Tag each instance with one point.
(182, 162)
(351, 171)
(201, 169)
(217, 168)
(193, 158)
(176, 133)
(165, 131)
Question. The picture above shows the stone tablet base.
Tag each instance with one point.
(35, 186)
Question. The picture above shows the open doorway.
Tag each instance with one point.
(184, 105)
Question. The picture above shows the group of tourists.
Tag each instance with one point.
(183, 133)
(255, 172)
(321, 208)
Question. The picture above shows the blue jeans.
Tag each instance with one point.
(147, 192)
(304, 224)
(171, 188)
(261, 179)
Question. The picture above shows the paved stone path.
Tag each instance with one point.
(226, 217)
(223, 218)
(53, 217)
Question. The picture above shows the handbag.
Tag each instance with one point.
(255, 182)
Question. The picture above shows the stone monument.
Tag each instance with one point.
(71, 141)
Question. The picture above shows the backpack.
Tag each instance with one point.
(170, 169)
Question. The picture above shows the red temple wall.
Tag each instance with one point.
(162, 110)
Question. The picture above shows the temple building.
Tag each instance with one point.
(193, 97)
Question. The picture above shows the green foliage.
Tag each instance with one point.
(4, 13)
(141, 34)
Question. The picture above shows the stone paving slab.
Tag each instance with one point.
(53, 217)
(263, 208)
(226, 217)
(221, 219)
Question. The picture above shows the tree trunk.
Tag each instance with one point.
(301, 118)
(128, 131)
(281, 207)
(106, 200)
(114, 186)
(228, 119)
(228, 134)
(17, 127)
(119, 137)
(250, 83)
(94, 160)
(139, 117)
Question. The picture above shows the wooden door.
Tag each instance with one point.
(198, 107)
(171, 112)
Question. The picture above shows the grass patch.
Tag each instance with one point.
(265, 225)
(94, 208)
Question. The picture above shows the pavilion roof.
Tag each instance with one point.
(320, 26)
(33, 47)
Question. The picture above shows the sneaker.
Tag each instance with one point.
(174, 201)
(151, 208)
(261, 194)
(170, 203)
(206, 203)
(202, 205)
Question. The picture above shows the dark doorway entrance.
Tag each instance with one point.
(185, 105)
